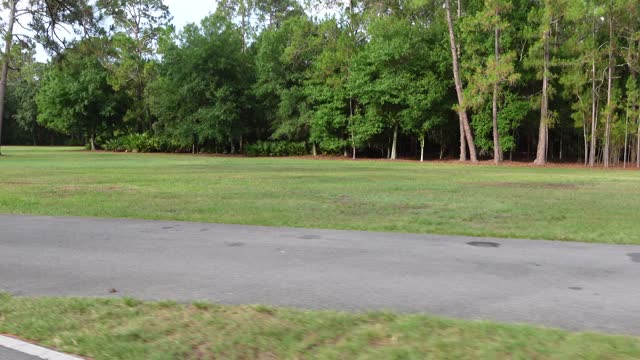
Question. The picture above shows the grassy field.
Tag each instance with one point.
(523, 202)
(128, 329)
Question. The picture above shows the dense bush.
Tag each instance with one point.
(139, 143)
(276, 148)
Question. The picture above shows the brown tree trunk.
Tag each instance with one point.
(586, 141)
(353, 141)
(462, 113)
(638, 146)
(607, 130)
(497, 150)
(463, 142)
(543, 134)
(463, 139)
(8, 39)
(594, 115)
(394, 144)
(626, 141)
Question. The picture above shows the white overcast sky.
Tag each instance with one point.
(188, 11)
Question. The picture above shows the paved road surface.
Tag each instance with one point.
(575, 286)
(8, 354)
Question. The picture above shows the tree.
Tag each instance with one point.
(137, 26)
(45, 19)
(462, 106)
(23, 90)
(549, 16)
(198, 96)
(393, 81)
(76, 97)
(490, 69)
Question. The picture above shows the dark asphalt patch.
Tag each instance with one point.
(486, 244)
(235, 244)
(635, 257)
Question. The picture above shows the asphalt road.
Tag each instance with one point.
(8, 354)
(575, 286)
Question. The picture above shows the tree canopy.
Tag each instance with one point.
(514, 79)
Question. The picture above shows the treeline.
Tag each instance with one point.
(530, 80)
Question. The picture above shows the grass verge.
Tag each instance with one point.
(522, 202)
(131, 329)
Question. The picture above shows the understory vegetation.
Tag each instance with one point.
(470, 79)
(131, 329)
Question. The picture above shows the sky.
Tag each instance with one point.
(188, 11)
(183, 12)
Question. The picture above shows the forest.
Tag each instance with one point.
(524, 80)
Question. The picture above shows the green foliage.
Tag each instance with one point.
(395, 80)
(276, 148)
(199, 95)
(75, 96)
(345, 82)
(144, 142)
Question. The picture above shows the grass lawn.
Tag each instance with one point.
(522, 202)
(128, 329)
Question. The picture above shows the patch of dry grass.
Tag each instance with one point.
(131, 329)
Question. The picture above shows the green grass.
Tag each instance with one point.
(523, 202)
(117, 329)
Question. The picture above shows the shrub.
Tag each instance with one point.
(140, 143)
(276, 148)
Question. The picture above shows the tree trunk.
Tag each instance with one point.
(586, 141)
(394, 144)
(314, 151)
(541, 153)
(92, 141)
(497, 150)
(594, 115)
(422, 149)
(463, 142)
(638, 145)
(626, 141)
(8, 39)
(607, 136)
(463, 139)
(462, 113)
